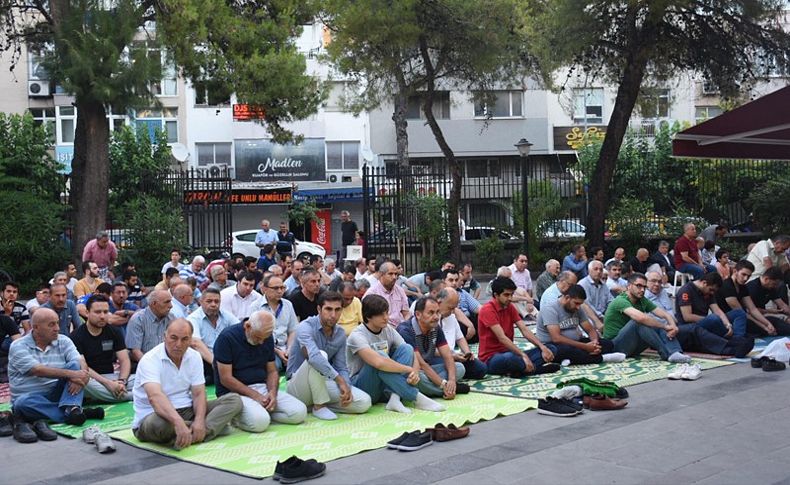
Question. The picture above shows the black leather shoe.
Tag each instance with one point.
(23, 432)
(6, 427)
(93, 413)
(43, 431)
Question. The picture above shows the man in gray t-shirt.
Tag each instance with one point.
(562, 322)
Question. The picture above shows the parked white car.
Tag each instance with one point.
(244, 242)
(564, 228)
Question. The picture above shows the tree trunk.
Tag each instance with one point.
(401, 125)
(90, 174)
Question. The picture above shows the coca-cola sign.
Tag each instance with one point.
(264, 161)
(321, 230)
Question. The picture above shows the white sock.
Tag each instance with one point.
(395, 404)
(679, 358)
(427, 404)
(324, 413)
(614, 357)
(568, 392)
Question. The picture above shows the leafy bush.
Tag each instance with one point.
(628, 221)
(768, 205)
(488, 254)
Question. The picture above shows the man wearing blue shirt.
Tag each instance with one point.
(65, 309)
(576, 261)
(265, 236)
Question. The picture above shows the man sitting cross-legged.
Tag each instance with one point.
(170, 403)
(381, 362)
(695, 303)
(448, 302)
(561, 323)
(244, 364)
(101, 345)
(496, 324)
(47, 378)
(631, 323)
(208, 322)
(768, 288)
(317, 371)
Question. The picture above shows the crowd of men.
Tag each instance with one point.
(346, 339)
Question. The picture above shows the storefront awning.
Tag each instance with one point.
(757, 130)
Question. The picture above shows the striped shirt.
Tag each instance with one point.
(285, 320)
(467, 303)
(145, 330)
(24, 355)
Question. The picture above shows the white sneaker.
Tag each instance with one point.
(692, 372)
(677, 373)
(89, 434)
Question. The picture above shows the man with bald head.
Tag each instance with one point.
(565, 280)
(170, 405)
(182, 299)
(146, 328)
(244, 364)
(386, 287)
(598, 294)
(448, 302)
(47, 379)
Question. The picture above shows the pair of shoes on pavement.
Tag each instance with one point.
(768, 364)
(560, 407)
(76, 415)
(440, 432)
(295, 470)
(24, 432)
(599, 402)
(686, 372)
(411, 441)
(95, 436)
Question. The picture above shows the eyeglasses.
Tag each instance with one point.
(641, 287)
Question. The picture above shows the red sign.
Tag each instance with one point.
(321, 230)
(238, 196)
(248, 112)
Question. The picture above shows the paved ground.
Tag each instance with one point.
(731, 426)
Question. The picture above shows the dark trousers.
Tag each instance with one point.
(465, 329)
(694, 338)
(578, 356)
(782, 327)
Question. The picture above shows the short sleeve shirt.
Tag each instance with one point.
(615, 318)
(303, 307)
(452, 330)
(425, 343)
(7, 327)
(729, 290)
(685, 245)
(691, 296)
(492, 314)
(760, 294)
(555, 314)
(24, 355)
(248, 361)
(383, 343)
(98, 350)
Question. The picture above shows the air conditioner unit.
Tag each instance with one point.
(332, 178)
(39, 88)
(217, 169)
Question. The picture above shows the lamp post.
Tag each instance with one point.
(524, 147)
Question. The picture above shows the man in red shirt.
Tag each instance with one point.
(687, 258)
(496, 322)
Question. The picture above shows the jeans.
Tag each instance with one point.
(782, 327)
(219, 413)
(432, 390)
(714, 324)
(310, 387)
(633, 338)
(375, 382)
(33, 406)
(695, 271)
(511, 364)
(578, 356)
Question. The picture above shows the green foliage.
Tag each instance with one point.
(31, 256)
(673, 226)
(769, 204)
(25, 162)
(628, 220)
(545, 204)
(154, 227)
(302, 214)
(488, 254)
(430, 212)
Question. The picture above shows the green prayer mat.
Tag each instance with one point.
(256, 455)
(628, 373)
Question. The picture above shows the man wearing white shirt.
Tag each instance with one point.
(175, 262)
(170, 405)
(614, 281)
(769, 254)
(448, 302)
(241, 300)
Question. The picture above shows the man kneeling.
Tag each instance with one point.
(170, 394)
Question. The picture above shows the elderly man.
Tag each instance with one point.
(195, 270)
(634, 323)
(564, 281)
(520, 274)
(208, 322)
(351, 314)
(170, 405)
(90, 280)
(101, 346)
(47, 378)
(304, 298)
(576, 261)
(619, 256)
(396, 297)
(182, 299)
(146, 328)
(317, 371)
(242, 299)
(65, 309)
(244, 364)
(547, 278)
(687, 257)
(265, 236)
(641, 262)
(439, 374)
(219, 278)
(103, 252)
(330, 269)
(285, 319)
(769, 253)
(448, 304)
(598, 294)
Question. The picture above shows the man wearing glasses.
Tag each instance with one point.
(632, 323)
(285, 320)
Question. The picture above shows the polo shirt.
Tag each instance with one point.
(661, 300)
(145, 330)
(467, 303)
(551, 294)
(82, 287)
(760, 294)
(188, 272)
(177, 382)
(310, 341)
(203, 329)
(351, 316)
(730, 289)
(68, 316)
(102, 257)
(492, 314)
(100, 350)
(396, 298)
(690, 295)
(179, 310)
(232, 302)
(522, 279)
(685, 245)
(24, 355)
(248, 361)
(285, 320)
(20, 313)
(615, 319)
(425, 343)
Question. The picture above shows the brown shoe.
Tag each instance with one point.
(447, 433)
(600, 402)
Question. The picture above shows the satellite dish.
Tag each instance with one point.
(179, 152)
(367, 154)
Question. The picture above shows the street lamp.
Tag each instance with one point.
(524, 147)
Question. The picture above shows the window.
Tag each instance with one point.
(771, 66)
(482, 167)
(502, 104)
(46, 117)
(654, 103)
(66, 124)
(338, 92)
(36, 70)
(212, 93)
(441, 106)
(588, 105)
(167, 85)
(157, 120)
(702, 113)
(342, 155)
(210, 153)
